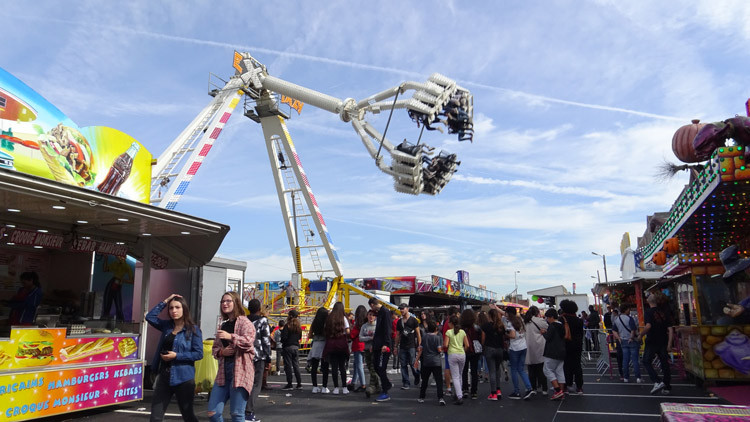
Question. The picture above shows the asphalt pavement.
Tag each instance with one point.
(603, 397)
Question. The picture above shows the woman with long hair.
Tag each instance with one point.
(484, 371)
(180, 345)
(493, 340)
(574, 346)
(358, 349)
(535, 325)
(456, 343)
(290, 337)
(517, 351)
(468, 321)
(318, 335)
(233, 347)
(336, 350)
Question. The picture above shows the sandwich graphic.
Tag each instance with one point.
(85, 350)
(35, 348)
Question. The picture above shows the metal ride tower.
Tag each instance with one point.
(415, 168)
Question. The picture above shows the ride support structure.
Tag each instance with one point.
(415, 167)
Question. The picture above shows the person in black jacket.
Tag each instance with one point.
(382, 345)
(574, 346)
(554, 353)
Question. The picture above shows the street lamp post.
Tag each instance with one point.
(604, 260)
(515, 283)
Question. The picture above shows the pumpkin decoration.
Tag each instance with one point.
(660, 258)
(672, 246)
(682, 142)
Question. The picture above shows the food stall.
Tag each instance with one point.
(710, 216)
(74, 204)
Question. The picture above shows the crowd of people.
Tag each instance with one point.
(455, 354)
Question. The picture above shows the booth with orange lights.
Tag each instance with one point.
(711, 214)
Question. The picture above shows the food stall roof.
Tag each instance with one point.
(712, 212)
(183, 239)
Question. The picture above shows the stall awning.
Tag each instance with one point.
(27, 202)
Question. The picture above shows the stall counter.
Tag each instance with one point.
(43, 372)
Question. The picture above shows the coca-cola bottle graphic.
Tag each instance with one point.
(119, 171)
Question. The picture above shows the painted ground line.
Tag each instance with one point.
(144, 412)
(644, 384)
(655, 396)
(577, 412)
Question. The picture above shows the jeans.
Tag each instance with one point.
(406, 357)
(314, 371)
(338, 367)
(437, 373)
(457, 361)
(221, 393)
(374, 384)
(494, 359)
(536, 376)
(291, 364)
(472, 363)
(659, 350)
(359, 370)
(518, 369)
(279, 356)
(630, 352)
(163, 393)
(380, 361)
(260, 367)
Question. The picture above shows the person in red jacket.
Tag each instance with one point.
(358, 350)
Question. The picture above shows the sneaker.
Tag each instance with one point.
(459, 402)
(544, 392)
(465, 396)
(625, 380)
(288, 387)
(383, 397)
(344, 391)
(559, 394)
(579, 392)
(420, 400)
(666, 391)
(492, 397)
(657, 386)
(527, 395)
(514, 396)
(639, 380)
(325, 390)
(404, 387)
(474, 396)
(441, 402)
(335, 391)
(298, 387)
(316, 390)
(499, 394)
(250, 417)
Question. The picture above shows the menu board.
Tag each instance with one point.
(49, 347)
(46, 393)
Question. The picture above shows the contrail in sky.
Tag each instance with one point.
(354, 65)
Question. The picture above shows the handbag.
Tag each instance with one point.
(477, 346)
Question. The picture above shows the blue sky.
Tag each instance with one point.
(575, 106)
